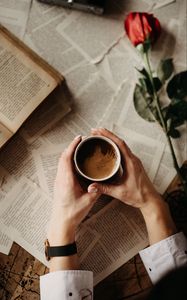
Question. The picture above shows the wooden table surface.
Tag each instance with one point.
(20, 272)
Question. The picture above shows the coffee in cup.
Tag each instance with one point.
(97, 158)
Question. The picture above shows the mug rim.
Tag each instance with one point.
(117, 151)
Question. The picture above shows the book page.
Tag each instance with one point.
(23, 216)
(6, 184)
(54, 108)
(110, 238)
(25, 213)
(5, 134)
(23, 84)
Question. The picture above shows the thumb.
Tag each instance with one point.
(93, 196)
(107, 189)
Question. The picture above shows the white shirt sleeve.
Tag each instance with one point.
(165, 256)
(158, 259)
(67, 285)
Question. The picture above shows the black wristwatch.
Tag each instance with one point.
(57, 251)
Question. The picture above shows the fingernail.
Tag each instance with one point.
(77, 137)
(92, 190)
(93, 129)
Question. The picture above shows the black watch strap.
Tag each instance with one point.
(57, 251)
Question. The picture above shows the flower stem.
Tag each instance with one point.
(163, 123)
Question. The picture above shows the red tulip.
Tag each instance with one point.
(142, 27)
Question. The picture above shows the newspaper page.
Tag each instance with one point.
(89, 108)
(114, 111)
(80, 74)
(148, 150)
(110, 238)
(41, 32)
(17, 158)
(25, 213)
(6, 184)
(24, 84)
(116, 66)
(180, 52)
(159, 3)
(165, 173)
(5, 241)
(79, 77)
(47, 163)
(100, 34)
(14, 15)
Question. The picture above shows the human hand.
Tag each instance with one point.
(135, 189)
(134, 186)
(71, 203)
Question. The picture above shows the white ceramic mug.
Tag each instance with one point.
(101, 154)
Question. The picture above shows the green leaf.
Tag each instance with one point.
(147, 85)
(142, 104)
(143, 72)
(177, 86)
(157, 83)
(178, 111)
(165, 69)
(175, 114)
(174, 133)
(165, 112)
(143, 84)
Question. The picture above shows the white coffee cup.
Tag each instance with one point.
(97, 158)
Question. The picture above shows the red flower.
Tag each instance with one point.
(141, 27)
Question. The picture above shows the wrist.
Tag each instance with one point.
(61, 235)
(153, 205)
(158, 219)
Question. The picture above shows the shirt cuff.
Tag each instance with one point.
(66, 285)
(165, 256)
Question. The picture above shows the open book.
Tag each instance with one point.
(25, 81)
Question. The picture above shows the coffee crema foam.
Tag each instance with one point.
(99, 164)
